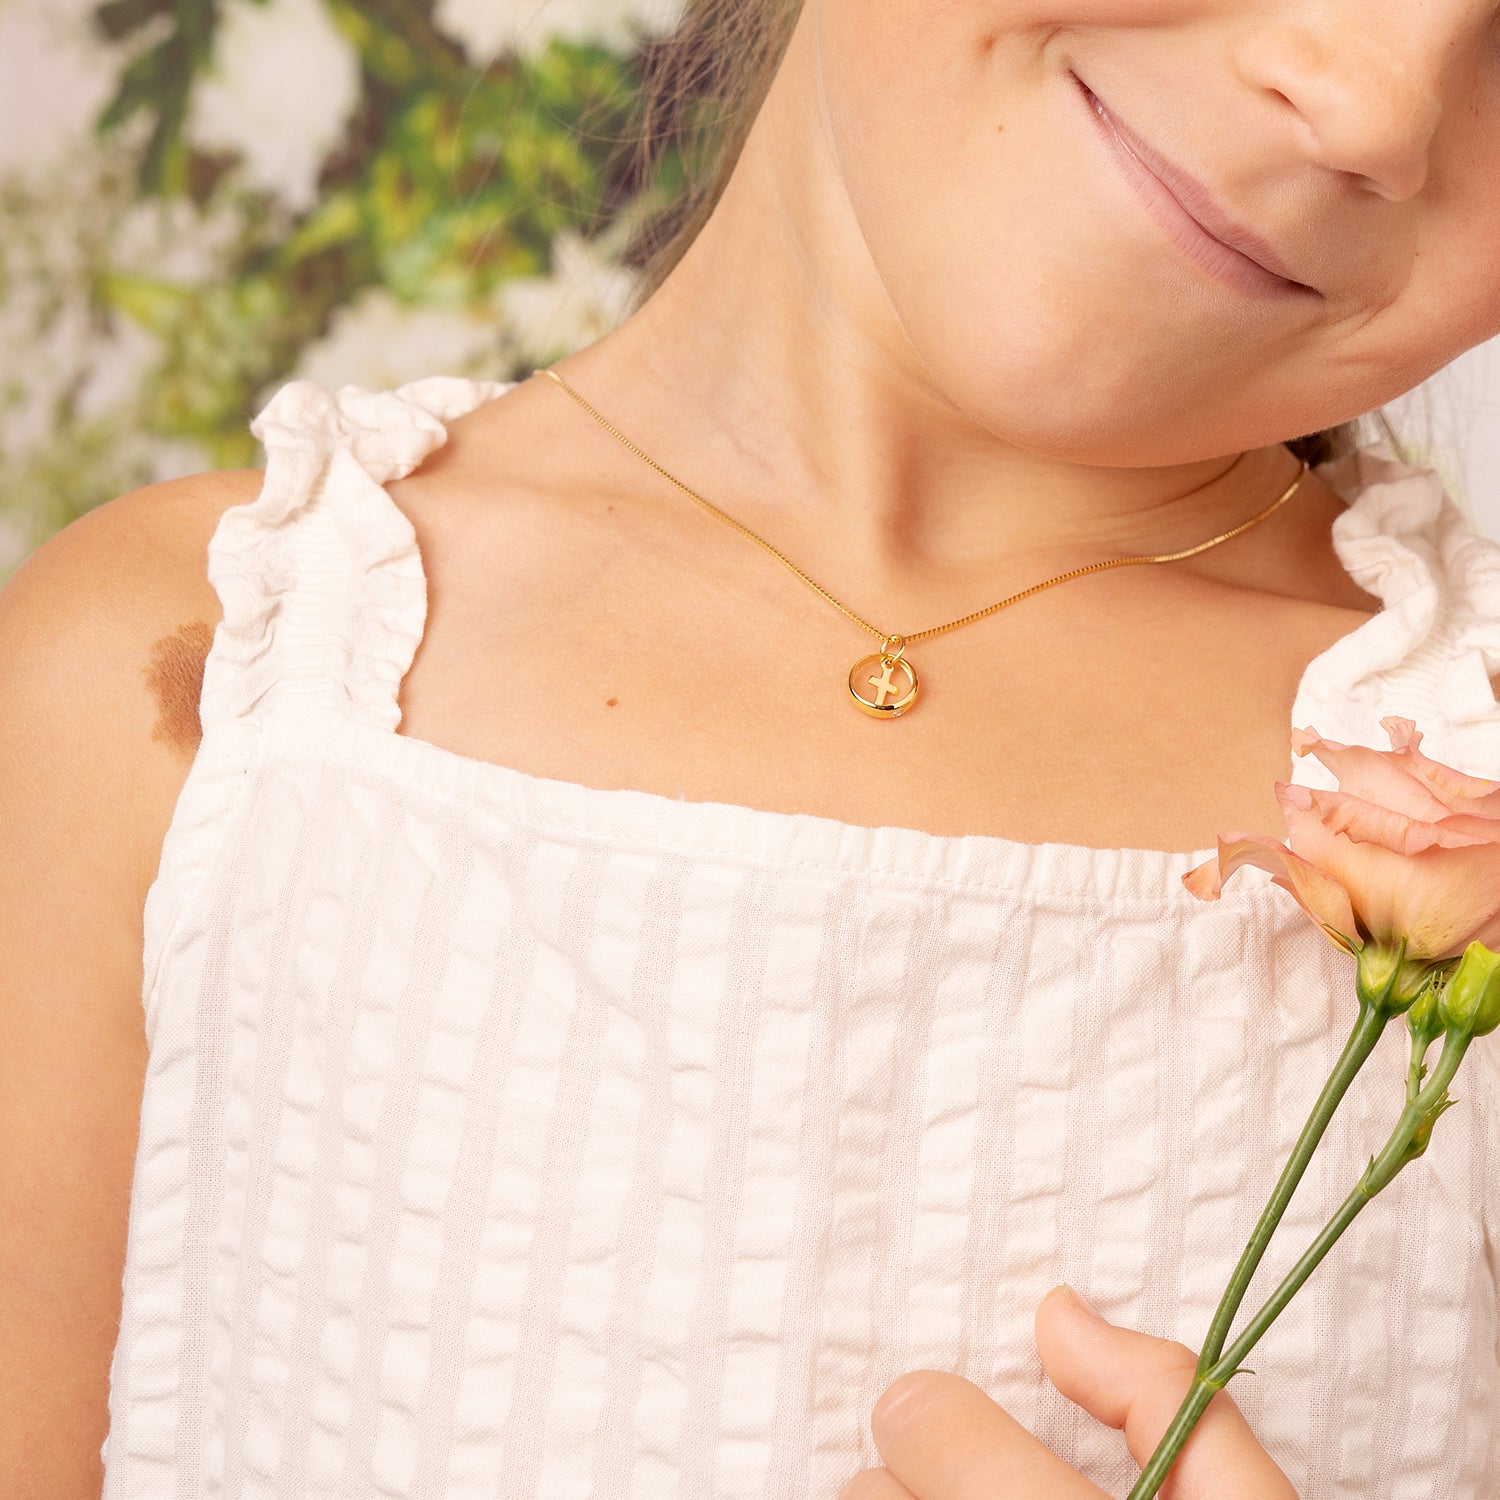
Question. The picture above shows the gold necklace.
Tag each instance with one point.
(885, 700)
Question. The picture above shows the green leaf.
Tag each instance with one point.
(117, 19)
(337, 220)
(153, 303)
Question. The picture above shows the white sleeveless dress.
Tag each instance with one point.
(508, 1137)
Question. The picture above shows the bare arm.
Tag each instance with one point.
(102, 635)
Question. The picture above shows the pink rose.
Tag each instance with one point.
(1405, 848)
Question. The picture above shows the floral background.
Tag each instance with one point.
(203, 198)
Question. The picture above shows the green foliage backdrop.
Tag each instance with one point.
(470, 211)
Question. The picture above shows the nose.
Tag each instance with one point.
(1366, 80)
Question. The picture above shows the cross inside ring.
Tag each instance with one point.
(873, 687)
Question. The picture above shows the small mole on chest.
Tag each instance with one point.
(175, 678)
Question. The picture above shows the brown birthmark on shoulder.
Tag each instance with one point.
(175, 677)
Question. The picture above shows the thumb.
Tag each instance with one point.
(1136, 1383)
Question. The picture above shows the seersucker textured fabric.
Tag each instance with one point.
(507, 1137)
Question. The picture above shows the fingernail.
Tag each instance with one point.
(888, 1405)
(1084, 1303)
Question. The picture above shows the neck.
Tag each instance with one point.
(770, 373)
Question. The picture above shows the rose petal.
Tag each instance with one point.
(1442, 900)
(1462, 792)
(1440, 897)
(1375, 775)
(1366, 823)
(1404, 734)
(1320, 896)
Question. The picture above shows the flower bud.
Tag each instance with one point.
(1471, 1001)
(1388, 979)
(1424, 1018)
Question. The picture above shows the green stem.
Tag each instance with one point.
(1405, 1144)
(1421, 1040)
(1419, 1046)
(1368, 1027)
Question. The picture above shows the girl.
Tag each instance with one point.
(498, 1001)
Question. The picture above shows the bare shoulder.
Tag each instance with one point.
(103, 634)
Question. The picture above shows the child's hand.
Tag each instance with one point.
(951, 1442)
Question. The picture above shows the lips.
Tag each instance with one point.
(1189, 213)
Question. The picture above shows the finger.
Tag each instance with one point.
(944, 1439)
(1136, 1383)
(875, 1484)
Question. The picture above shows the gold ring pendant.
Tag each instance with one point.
(872, 686)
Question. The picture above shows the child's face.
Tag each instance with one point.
(1045, 277)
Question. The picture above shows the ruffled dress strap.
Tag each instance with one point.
(324, 602)
(321, 583)
(1432, 653)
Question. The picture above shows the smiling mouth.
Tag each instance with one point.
(1187, 211)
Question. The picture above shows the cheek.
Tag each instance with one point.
(947, 141)
(1455, 297)
(1450, 303)
(916, 89)
(1022, 273)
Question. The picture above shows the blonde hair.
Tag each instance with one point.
(701, 90)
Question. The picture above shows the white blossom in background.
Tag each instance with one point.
(120, 362)
(53, 343)
(55, 77)
(174, 240)
(57, 353)
(280, 91)
(487, 28)
(586, 296)
(381, 342)
(47, 328)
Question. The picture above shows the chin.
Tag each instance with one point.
(1076, 382)
(1046, 413)
(1069, 402)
